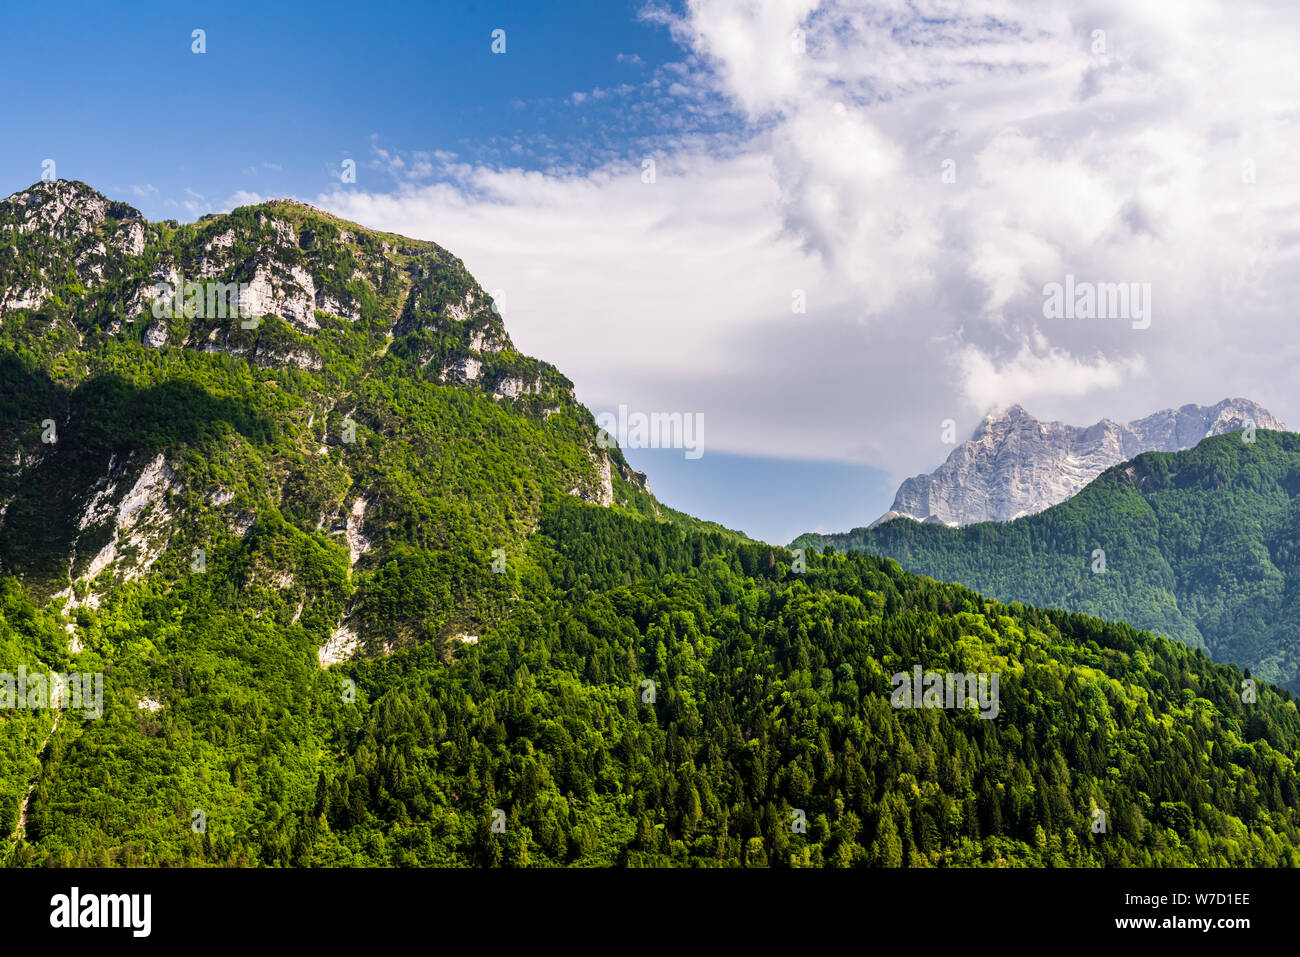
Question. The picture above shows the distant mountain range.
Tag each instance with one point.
(1016, 465)
(1201, 545)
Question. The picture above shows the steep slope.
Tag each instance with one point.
(720, 709)
(368, 395)
(1015, 465)
(364, 590)
(1200, 545)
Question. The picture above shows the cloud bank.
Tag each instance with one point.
(859, 250)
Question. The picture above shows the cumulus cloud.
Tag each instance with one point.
(757, 47)
(919, 171)
(1039, 369)
(244, 197)
(607, 274)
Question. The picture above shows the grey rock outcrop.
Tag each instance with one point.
(1015, 465)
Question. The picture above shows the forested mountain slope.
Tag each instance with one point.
(771, 696)
(460, 632)
(376, 406)
(1201, 545)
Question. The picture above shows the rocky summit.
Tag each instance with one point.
(345, 378)
(1016, 465)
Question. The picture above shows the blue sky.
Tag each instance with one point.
(779, 499)
(282, 96)
(856, 206)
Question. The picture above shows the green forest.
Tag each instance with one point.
(551, 668)
(771, 697)
(1201, 545)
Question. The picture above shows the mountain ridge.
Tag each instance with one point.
(1015, 465)
(1196, 545)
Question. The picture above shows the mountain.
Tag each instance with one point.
(324, 409)
(361, 588)
(1201, 545)
(1015, 465)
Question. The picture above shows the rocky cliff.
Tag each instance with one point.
(1015, 465)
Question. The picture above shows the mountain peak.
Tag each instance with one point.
(59, 187)
(1006, 413)
(288, 260)
(1001, 418)
(63, 208)
(993, 477)
(355, 344)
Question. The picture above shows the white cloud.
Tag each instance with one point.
(754, 46)
(1126, 157)
(1038, 369)
(243, 197)
(605, 273)
(195, 204)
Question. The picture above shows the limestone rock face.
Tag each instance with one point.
(62, 227)
(1015, 465)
